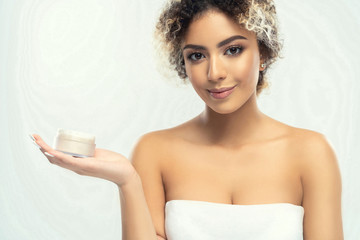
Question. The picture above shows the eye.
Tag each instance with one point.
(233, 50)
(195, 56)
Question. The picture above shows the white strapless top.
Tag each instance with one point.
(200, 220)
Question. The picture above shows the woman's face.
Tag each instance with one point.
(222, 61)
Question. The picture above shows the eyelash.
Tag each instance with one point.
(239, 48)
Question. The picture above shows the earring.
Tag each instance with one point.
(262, 65)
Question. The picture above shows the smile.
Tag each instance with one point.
(222, 92)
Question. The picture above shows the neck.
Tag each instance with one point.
(233, 129)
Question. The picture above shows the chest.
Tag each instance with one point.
(252, 174)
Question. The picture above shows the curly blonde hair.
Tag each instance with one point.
(258, 16)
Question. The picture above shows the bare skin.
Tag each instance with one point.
(272, 170)
(230, 153)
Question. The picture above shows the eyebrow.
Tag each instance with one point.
(220, 44)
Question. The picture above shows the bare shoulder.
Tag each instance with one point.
(316, 157)
(312, 147)
(321, 181)
(311, 150)
(151, 142)
(147, 158)
(304, 143)
(161, 139)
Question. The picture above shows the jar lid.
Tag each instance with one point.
(75, 136)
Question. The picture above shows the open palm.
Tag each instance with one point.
(105, 164)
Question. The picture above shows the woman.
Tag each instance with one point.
(231, 172)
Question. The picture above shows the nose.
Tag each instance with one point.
(217, 70)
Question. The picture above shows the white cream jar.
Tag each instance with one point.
(75, 143)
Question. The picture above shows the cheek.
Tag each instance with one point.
(188, 70)
(246, 70)
(195, 73)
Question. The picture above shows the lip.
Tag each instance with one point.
(221, 93)
(219, 90)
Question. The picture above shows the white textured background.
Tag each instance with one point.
(87, 65)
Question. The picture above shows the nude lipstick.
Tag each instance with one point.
(221, 93)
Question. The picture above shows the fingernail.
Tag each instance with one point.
(34, 141)
(32, 138)
(48, 154)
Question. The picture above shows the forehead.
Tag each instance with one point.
(212, 27)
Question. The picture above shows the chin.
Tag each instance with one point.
(224, 109)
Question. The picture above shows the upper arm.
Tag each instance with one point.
(322, 190)
(146, 160)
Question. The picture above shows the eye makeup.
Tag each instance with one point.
(195, 56)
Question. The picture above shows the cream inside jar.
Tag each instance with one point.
(75, 143)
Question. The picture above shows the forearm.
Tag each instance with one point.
(136, 219)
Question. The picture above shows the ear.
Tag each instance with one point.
(262, 66)
(264, 56)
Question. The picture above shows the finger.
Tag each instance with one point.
(51, 158)
(39, 141)
(85, 166)
(33, 140)
(58, 160)
(49, 155)
(44, 148)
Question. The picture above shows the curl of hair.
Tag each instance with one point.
(258, 16)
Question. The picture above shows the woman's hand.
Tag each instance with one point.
(105, 164)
